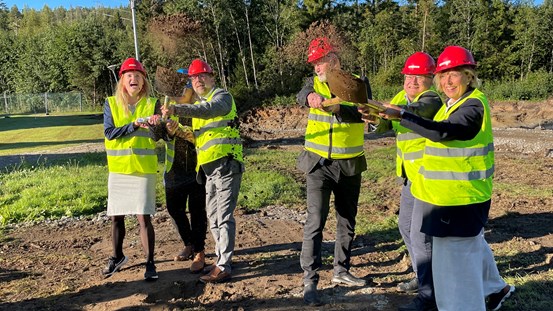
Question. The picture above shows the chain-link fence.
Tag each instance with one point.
(43, 103)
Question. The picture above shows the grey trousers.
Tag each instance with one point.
(222, 187)
(465, 273)
(419, 245)
(320, 185)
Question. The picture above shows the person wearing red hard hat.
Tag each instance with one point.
(220, 161)
(454, 186)
(131, 64)
(333, 160)
(418, 98)
(131, 128)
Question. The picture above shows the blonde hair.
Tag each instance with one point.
(474, 81)
(122, 97)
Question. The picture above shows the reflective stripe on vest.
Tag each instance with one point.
(410, 145)
(217, 137)
(170, 149)
(458, 172)
(328, 137)
(135, 152)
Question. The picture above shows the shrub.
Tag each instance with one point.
(536, 86)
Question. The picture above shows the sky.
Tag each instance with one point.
(39, 4)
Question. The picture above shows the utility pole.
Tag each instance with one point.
(137, 55)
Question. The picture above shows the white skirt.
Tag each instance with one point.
(131, 194)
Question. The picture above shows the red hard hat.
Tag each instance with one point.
(318, 48)
(198, 66)
(131, 64)
(454, 56)
(419, 63)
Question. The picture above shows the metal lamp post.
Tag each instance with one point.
(137, 55)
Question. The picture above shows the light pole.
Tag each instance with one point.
(112, 69)
(134, 32)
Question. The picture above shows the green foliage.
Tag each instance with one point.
(281, 101)
(258, 48)
(537, 85)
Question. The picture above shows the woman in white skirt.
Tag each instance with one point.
(131, 124)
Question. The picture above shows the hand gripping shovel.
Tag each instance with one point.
(171, 84)
(349, 88)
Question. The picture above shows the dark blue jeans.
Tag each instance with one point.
(320, 185)
(419, 245)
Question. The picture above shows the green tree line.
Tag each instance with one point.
(259, 47)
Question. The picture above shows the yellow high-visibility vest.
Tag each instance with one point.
(410, 145)
(329, 138)
(457, 172)
(217, 137)
(133, 153)
(170, 148)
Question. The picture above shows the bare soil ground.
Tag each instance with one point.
(55, 265)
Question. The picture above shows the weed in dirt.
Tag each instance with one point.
(515, 190)
(533, 291)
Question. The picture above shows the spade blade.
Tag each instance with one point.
(169, 82)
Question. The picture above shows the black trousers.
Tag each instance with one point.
(320, 185)
(193, 231)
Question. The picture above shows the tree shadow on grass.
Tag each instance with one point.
(7, 275)
(35, 122)
(22, 145)
(15, 162)
(526, 230)
(514, 224)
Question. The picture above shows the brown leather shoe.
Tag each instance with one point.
(208, 268)
(199, 262)
(215, 276)
(186, 254)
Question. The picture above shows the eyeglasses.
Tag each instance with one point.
(416, 77)
(200, 76)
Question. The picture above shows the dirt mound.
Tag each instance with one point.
(274, 124)
(522, 114)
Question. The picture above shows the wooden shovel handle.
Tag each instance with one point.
(371, 103)
(165, 106)
(331, 101)
(375, 105)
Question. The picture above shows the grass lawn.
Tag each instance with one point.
(35, 133)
